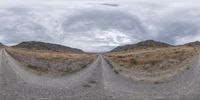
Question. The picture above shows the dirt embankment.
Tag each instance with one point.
(50, 63)
(152, 65)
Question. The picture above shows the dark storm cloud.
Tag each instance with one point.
(111, 4)
(104, 20)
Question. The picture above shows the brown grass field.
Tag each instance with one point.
(51, 63)
(152, 64)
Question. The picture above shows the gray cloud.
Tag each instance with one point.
(91, 22)
(170, 32)
(99, 25)
(111, 4)
(104, 20)
(176, 27)
(20, 26)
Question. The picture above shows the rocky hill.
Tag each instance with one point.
(35, 45)
(141, 45)
(1, 45)
(196, 43)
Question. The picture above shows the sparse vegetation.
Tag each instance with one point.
(111, 66)
(133, 61)
(92, 82)
(116, 72)
(51, 63)
(151, 62)
(37, 68)
(86, 85)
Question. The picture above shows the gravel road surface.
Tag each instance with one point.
(96, 82)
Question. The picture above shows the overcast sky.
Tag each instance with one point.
(99, 25)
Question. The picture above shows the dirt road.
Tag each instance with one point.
(97, 82)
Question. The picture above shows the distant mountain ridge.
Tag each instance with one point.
(35, 45)
(196, 43)
(1, 45)
(141, 45)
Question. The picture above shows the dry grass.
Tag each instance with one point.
(151, 57)
(152, 61)
(51, 63)
(49, 55)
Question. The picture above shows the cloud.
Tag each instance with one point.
(92, 27)
(112, 28)
(1, 37)
(111, 4)
(104, 20)
(178, 27)
(171, 32)
(187, 39)
(21, 26)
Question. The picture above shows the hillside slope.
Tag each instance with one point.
(196, 43)
(34, 45)
(1, 45)
(141, 45)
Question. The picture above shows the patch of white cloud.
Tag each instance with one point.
(113, 37)
(1, 38)
(97, 39)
